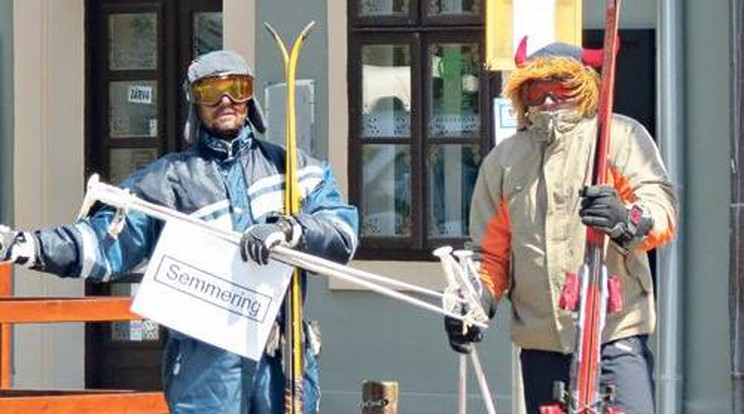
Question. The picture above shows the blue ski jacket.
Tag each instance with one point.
(234, 184)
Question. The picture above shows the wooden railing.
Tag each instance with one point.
(53, 310)
(6, 289)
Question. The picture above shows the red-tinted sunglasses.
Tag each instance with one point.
(535, 92)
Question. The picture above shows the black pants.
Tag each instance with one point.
(627, 364)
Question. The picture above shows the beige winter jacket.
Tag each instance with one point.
(524, 218)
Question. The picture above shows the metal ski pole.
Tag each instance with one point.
(462, 386)
(124, 201)
(457, 275)
(481, 377)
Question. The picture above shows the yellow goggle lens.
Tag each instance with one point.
(209, 91)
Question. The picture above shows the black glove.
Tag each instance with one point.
(258, 240)
(17, 247)
(462, 341)
(601, 208)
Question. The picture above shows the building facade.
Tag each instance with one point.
(401, 109)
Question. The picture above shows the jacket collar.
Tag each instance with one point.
(223, 149)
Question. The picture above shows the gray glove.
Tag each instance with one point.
(17, 247)
(259, 239)
(601, 208)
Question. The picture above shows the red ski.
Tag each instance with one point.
(595, 291)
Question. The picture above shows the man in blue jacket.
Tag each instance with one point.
(235, 180)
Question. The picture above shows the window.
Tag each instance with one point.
(419, 122)
(139, 52)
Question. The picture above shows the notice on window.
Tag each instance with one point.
(140, 94)
(504, 119)
(197, 284)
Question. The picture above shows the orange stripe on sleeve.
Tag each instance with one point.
(653, 239)
(656, 239)
(496, 245)
(622, 185)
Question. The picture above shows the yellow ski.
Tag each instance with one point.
(293, 351)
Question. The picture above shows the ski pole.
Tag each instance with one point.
(124, 200)
(462, 386)
(481, 377)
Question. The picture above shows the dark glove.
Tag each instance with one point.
(17, 247)
(601, 208)
(461, 341)
(259, 239)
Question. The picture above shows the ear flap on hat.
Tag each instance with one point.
(191, 126)
(255, 115)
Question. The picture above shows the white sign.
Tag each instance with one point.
(140, 94)
(536, 20)
(154, 127)
(197, 284)
(504, 119)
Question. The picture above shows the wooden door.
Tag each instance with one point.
(137, 57)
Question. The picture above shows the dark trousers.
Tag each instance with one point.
(627, 364)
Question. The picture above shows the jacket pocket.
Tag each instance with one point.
(635, 266)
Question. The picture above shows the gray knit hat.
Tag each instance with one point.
(219, 62)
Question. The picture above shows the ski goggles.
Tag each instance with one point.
(536, 91)
(209, 90)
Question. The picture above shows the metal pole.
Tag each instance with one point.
(670, 115)
(124, 200)
(462, 386)
(736, 276)
(481, 377)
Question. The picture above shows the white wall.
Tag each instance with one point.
(239, 22)
(49, 89)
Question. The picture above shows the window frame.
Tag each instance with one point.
(98, 143)
(356, 145)
(419, 31)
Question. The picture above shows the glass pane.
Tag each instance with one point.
(133, 41)
(454, 110)
(386, 177)
(386, 91)
(383, 7)
(133, 109)
(124, 161)
(451, 176)
(136, 331)
(207, 32)
(454, 7)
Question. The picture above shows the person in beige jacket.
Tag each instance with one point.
(530, 207)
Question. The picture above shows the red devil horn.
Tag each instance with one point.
(521, 56)
(592, 57)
